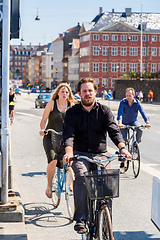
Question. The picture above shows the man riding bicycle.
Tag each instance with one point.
(85, 130)
(128, 113)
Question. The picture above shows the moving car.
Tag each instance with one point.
(42, 100)
(17, 91)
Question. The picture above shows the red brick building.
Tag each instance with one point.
(110, 46)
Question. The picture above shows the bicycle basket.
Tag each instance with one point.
(103, 184)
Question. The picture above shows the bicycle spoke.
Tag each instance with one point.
(55, 191)
(136, 160)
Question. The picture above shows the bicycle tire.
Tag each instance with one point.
(55, 192)
(135, 159)
(105, 231)
(69, 192)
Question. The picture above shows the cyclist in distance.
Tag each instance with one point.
(12, 100)
(128, 114)
(85, 129)
(54, 112)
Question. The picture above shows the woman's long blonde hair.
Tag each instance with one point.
(61, 85)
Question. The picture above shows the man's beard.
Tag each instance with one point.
(87, 102)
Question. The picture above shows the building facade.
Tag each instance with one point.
(114, 45)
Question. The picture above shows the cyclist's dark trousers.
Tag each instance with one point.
(79, 188)
(138, 134)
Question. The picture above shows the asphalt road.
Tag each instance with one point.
(131, 211)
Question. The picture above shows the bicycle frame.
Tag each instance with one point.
(61, 179)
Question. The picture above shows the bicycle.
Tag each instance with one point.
(133, 148)
(102, 185)
(63, 182)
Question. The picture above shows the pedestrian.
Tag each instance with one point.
(150, 96)
(85, 130)
(12, 100)
(54, 113)
(140, 96)
(128, 114)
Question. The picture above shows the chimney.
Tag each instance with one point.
(128, 12)
(112, 10)
(100, 10)
(60, 35)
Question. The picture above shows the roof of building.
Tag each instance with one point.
(151, 20)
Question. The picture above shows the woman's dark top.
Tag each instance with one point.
(51, 140)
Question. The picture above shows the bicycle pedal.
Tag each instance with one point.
(81, 231)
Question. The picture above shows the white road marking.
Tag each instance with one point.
(28, 114)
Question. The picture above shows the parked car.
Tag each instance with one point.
(17, 91)
(42, 100)
(33, 90)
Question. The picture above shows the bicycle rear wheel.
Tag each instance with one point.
(105, 224)
(55, 191)
(135, 159)
(69, 192)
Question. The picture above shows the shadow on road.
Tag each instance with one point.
(44, 215)
(134, 235)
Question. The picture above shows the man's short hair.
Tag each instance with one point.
(86, 80)
(131, 89)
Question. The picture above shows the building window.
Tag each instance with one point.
(96, 81)
(114, 37)
(123, 51)
(105, 51)
(114, 51)
(144, 38)
(112, 83)
(123, 37)
(134, 38)
(133, 51)
(105, 67)
(84, 38)
(51, 67)
(154, 51)
(123, 67)
(84, 67)
(105, 82)
(153, 67)
(114, 67)
(133, 67)
(84, 51)
(105, 37)
(95, 37)
(95, 67)
(154, 38)
(95, 51)
(52, 59)
(143, 51)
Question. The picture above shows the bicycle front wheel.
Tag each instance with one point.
(135, 159)
(105, 224)
(69, 192)
(55, 191)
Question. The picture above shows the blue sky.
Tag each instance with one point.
(56, 16)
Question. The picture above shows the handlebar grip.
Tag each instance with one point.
(73, 159)
(45, 132)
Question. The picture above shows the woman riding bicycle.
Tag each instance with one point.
(12, 100)
(54, 112)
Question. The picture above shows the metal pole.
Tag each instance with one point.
(5, 99)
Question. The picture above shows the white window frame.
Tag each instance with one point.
(96, 81)
(123, 51)
(114, 51)
(112, 82)
(154, 51)
(105, 82)
(114, 67)
(153, 67)
(154, 38)
(105, 37)
(104, 67)
(133, 67)
(105, 50)
(114, 37)
(123, 67)
(95, 37)
(144, 38)
(123, 37)
(134, 37)
(133, 51)
(144, 51)
(95, 51)
(95, 67)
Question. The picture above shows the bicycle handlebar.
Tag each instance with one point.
(134, 127)
(99, 160)
(52, 130)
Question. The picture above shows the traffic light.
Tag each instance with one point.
(28, 85)
(41, 84)
(56, 70)
(103, 86)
